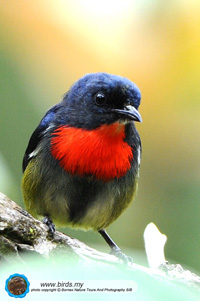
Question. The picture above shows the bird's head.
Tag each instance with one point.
(100, 98)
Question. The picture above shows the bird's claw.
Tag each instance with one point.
(118, 253)
(51, 227)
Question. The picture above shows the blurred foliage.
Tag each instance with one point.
(47, 45)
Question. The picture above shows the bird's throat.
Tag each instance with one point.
(101, 152)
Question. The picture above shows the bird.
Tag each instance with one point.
(81, 165)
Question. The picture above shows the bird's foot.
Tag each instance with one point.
(51, 227)
(118, 253)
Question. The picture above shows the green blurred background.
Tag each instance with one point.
(46, 45)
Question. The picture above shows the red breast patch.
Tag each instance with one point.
(101, 152)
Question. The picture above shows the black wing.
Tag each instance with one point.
(38, 134)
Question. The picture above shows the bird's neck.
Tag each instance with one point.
(101, 152)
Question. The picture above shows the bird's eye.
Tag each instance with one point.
(100, 99)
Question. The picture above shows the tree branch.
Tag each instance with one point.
(21, 233)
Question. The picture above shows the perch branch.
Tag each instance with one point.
(21, 233)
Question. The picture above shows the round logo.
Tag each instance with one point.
(17, 286)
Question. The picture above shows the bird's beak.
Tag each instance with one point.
(129, 112)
